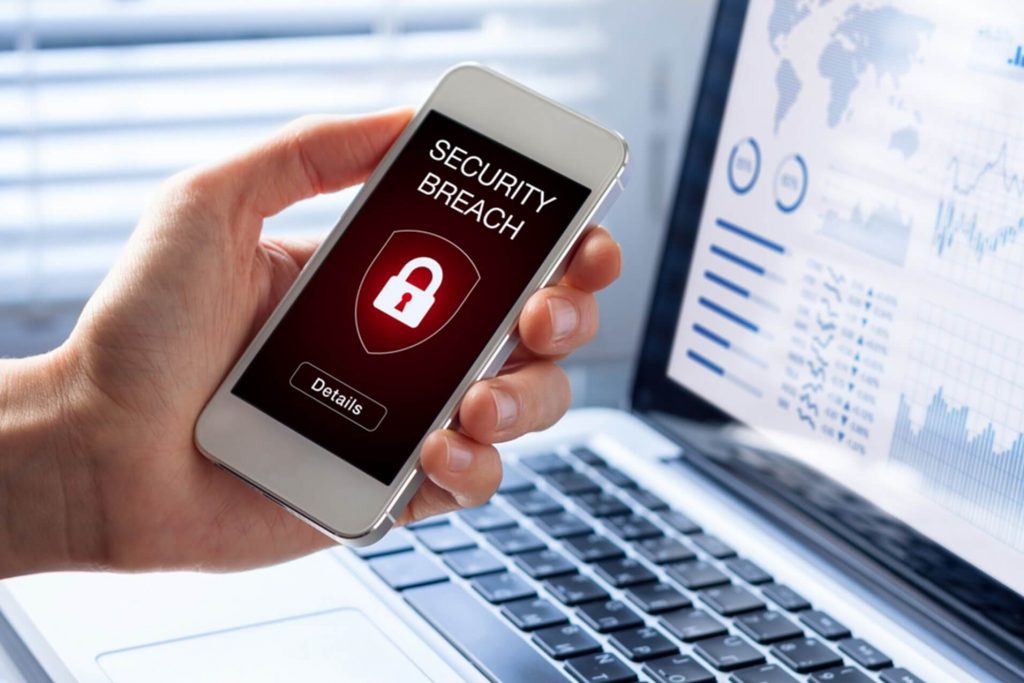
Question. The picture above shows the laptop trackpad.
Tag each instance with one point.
(340, 645)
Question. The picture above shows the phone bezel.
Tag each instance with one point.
(322, 488)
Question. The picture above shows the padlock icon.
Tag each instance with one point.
(405, 302)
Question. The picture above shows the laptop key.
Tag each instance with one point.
(592, 548)
(514, 541)
(487, 517)
(678, 669)
(542, 564)
(632, 527)
(513, 480)
(697, 575)
(608, 615)
(769, 673)
(603, 667)
(865, 654)
(728, 653)
(624, 571)
(396, 541)
(473, 562)
(407, 570)
(575, 589)
(641, 644)
(481, 635)
(680, 522)
(663, 550)
(533, 502)
(713, 546)
(571, 483)
(768, 627)
(444, 538)
(562, 525)
(897, 675)
(846, 674)
(655, 598)
(545, 463)
(731, 600)
(615, 477)
(748, 571)
(647, 499)
(785, 597)
(601, 504)
(563, 642)
(498, 588)
(588, 456)
(689, 625)
(805, 655)
(428, 521)
(533, 613)
(824, 625)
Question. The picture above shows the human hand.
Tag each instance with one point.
(98, 468)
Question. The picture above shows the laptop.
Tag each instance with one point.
(820, 473)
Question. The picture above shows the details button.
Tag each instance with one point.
(338, 396)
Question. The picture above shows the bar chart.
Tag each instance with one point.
(959, 424)
(732, 304)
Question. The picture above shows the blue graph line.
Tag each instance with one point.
(693, 355)
(836, 277)
(817, 372)
(950, 224)
(823, 343)
(953, 223)
(804, 417)
(811, 405)
(727, 314)
(812, 386)
(835, 291)
(728, 284)
(738, 260)
(828, 307)
(752, 236)
(825, 325)
(1012, 182)
(705, 332)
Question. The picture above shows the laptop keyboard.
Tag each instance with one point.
(575, 572)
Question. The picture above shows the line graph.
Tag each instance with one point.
(959, 424)
(978, 236)
(1012, 181)
(956, 221)
(954, 225)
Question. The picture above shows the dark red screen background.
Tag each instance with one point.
(413, 384)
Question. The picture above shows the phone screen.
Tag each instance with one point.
(408, 297)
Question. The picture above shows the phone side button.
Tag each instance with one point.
(489, 643)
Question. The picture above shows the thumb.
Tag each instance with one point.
(309, 156)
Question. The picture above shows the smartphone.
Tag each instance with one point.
(412, 297)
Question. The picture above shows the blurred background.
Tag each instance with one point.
(102, 99)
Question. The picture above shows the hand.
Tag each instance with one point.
(97, 463)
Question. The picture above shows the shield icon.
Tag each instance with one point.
(411, 290)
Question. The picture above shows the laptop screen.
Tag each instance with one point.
(857, 285)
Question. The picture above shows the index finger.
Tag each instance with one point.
(596, 263)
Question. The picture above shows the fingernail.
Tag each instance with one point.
(507, 408)
(459, 457)
(564, 317)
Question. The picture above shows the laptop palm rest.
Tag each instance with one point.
(340, 644)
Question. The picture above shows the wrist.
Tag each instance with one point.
(49, 498)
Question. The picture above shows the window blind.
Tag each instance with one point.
(102, 99)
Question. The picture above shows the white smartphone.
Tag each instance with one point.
(412, 298)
